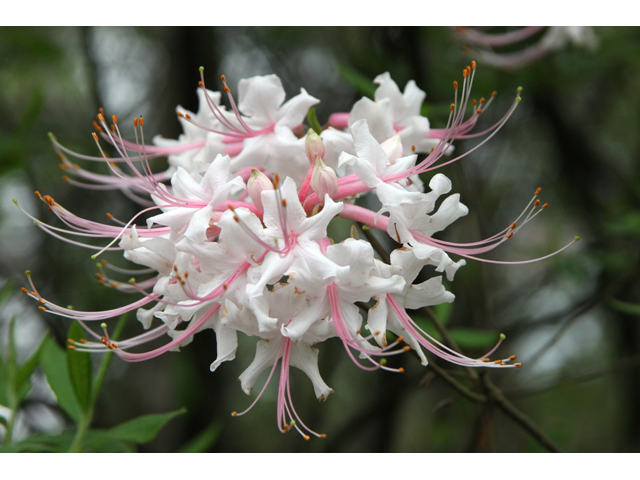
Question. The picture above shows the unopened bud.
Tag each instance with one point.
(258, 183)
(324, 180)
(314, 146)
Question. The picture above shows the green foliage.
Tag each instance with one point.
(313, 121)
(205, 439)
(625, 307)
(54, 364)
(139, 430)
(79, 367)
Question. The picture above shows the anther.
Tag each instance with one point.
(517, 365)
(473, 64)
(284, 203)
(95, 136)
(464, 73)
(512, 358)
(180, 114)
(494, 93)
(97, 126)
(413, 148)
(71, 347)
(473, 102)
(497, 362)
(115, 119)
(536, 203)
(400, 339)
(479, 111)
(102, 282)
(24, 290)
(323, 435)
(66, 179)
(109, 215)
(135, 122)
(307, 438)
(481, 100)
(38, 194)
(513, 225)
(112, 127)
(101, 117)
(538, 190)
(510, 234)
(486, 360)
(544, 206)
(49, 200)
(63, 166)
(42, 308)
(175, 268)
(187, 116)
(455, 85)
(453, 107)
(223, 78)
(70, 340)
(101, 111)
(200, 84)
(401, 370)
(141, 121)
(406, 348)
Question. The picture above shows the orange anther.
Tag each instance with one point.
(223, 78)
(101, 282)
(479, 111)
(513, 225)
(49, 200)
(135, 122)
(512, 358)
(99, 276)
(24, 290)
(400, 339)
(95, 136)
(63, 166)
(187, 116)
(71, 347)
(481, 99)
(38, 194)
(109, 215)
(510, 235)
(284, 203)
(497, 362)
(42, 308)
(473, 102)
(538, 191)
(101, 111)
(200, 84)
(453, 107)
(406, 348)
(115, 119)
(175, 268)
(227, 89)
(517, 365)
(141, 121)
(413, 148)
(486, 360)
(401, 370)
(494, 93)
(65, 178)
(464, 73)
(473, 64)
(455, 84)
(112, 127)
(180, 114)
(536, 203)
(544, 206)
(323, 435)
(100, 117)
(97, 127)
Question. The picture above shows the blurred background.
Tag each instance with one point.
(573, 319)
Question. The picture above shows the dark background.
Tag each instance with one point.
(574, 135)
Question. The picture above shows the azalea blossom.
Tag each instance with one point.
(236, 238)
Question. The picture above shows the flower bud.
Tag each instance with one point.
(314, 146)
(258, 183)
(324, 180)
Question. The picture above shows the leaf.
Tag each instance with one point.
(625, 307)
(79, 365)
(205, 439)
(54, 363)
(473, 338)
(358, 81)
(313, 121)
(26, 370)
(6, 291)
(443, 312)
(139, 430)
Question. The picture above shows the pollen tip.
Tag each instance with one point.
(576, 238)
(27, 273)
(103, 326)
(42, 308)
(307, 438)
(95, 136)
(519, 89)
(406, 348)
(38, 194)
(544, 206)
(201, 69)
(71, 347)
(538, 190)
(323, 435)
(503, 336)
(24, 290)
(473, 64)
(400, 339)
(131, 281)
(50, 135)
(66, 179)
(494, 93)
(486, 360)
(512, 357)
(93, 257)
(517, 365)
(15, 200)
(115, 119)
(401, 370)
(518, 99)
(223, 78)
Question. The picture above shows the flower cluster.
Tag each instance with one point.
(236, 229)
(525, 45)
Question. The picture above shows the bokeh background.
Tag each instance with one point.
(571, 319)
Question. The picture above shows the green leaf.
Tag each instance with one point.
(205, 439)
(54, 363)
(625, 307)
(473, 338)
(4, 382)
(26, 370)
(358, 81)
(139, 430)
(443, 312)
(79, 365)
(6, 291)
(313, 121)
